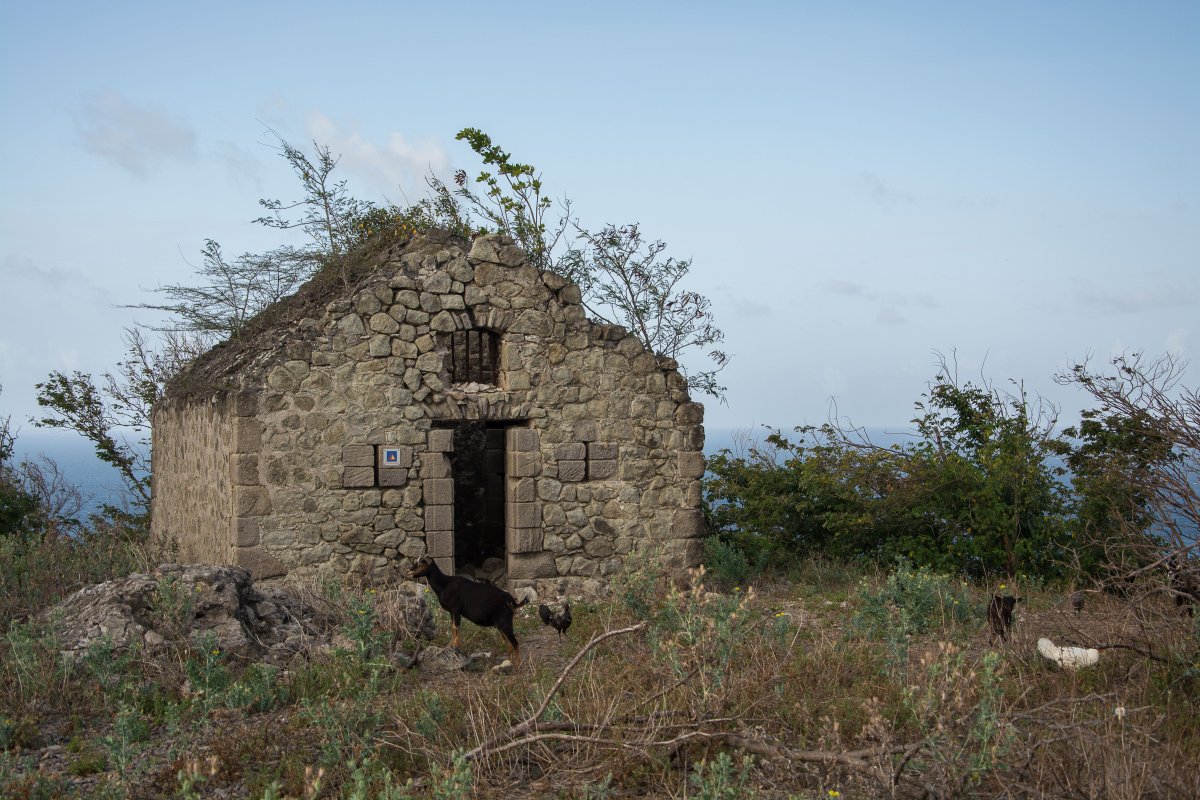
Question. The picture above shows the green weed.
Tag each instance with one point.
(717, 779)
(454, 783)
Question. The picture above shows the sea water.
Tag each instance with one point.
(100, 483)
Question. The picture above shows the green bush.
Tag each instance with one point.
(725, 563)
(912, 601)
(977, 491)
(915, 601)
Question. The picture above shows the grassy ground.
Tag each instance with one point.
(826, 682)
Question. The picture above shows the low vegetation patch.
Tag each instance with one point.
(886, 684)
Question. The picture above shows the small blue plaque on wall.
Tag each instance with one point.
(391, 456)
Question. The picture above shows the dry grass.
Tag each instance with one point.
(663, 693)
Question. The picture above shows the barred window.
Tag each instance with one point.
(474, 356)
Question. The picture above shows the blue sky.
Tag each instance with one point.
(860, 185)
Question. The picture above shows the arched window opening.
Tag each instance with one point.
(474, 356)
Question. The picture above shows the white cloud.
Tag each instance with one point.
(1176, 343)
(135, 138)
(886, 196)
(889, 302)
(242, 164)
(276, 111)
(846, 288)
(397, 164)
(739, 305)
(22, 268)
(1152, 294)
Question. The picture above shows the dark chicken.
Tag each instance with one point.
(559, 620)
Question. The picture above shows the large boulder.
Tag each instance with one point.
(200, 605)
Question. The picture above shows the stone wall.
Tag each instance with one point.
(193, 510)
(603, 453)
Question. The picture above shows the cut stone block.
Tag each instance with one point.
(247, 435)
(435, 465)
(529, 566)
(571, 451)
(601, 450)
(689, 523)
(525, 540)
(393, 477)
(522, 491)
(439, 544)
(439, 518)
(441, 440)
(569, 471)
(245, 469)
(358, 477)
(246, 404)
(523, 515)
(691, 465)
(523, 440)
(439, 491)
(602, 470)
(245, 532)
(251, 501)
(260, 563)
(358, 455)
(524, 465)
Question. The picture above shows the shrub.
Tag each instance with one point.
(916, 600)
(726, 563)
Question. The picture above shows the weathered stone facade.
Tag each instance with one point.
(457, 404)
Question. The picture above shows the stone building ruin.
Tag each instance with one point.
(455, 403)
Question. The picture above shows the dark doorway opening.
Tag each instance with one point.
(477, 468)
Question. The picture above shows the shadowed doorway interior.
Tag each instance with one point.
(477, 468)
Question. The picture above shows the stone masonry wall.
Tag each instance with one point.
(193, 494)
(603, 459)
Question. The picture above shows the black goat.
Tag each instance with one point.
(482, 603)
(1000, 615)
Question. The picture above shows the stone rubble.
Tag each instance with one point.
(199, 605)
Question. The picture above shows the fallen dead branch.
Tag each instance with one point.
(643, 733)
(530, 722)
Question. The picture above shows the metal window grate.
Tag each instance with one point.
(474, 356)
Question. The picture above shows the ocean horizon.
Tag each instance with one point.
(100, 483)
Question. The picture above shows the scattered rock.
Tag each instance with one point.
(437, 660)
(527, 594)
(477, 662)
(218, 606)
